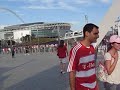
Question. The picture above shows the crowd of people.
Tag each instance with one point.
(82, 59)
(28, 49)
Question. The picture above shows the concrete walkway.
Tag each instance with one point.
(32, 72)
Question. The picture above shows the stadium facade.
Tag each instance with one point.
(38, 29)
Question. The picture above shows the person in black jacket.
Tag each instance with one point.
(13, 51)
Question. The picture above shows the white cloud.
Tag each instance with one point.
(66, 6)
(72, 5)
(47, 1)
(39, 7)
(50, 4)
(39, 1)
(105, 1)
(82, 1)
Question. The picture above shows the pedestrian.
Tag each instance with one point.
(26, 50)
(81, 68)
(13, 51)
(112, 64)
(62, 55)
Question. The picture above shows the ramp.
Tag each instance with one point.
(109, 20)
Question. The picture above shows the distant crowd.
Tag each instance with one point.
(30, 49)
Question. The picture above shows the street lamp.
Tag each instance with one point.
(38, 37)
(58, 31)
(118, 25)
(11, 41)
(86, 17)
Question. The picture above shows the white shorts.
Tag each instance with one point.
(63, 60)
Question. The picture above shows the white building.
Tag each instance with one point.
(38, 29)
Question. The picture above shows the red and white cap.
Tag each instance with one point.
(114, 38)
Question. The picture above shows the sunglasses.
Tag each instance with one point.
(115, 42)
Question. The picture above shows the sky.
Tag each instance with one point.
(13, 12)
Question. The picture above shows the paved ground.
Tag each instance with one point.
(33, 72)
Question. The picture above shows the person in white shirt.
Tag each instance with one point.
(112, 64)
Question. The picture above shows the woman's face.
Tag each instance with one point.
(116, 45)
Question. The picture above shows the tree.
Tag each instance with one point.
(25, 38)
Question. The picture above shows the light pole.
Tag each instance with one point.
(30, 40)
(37, 37)
(11, 42)
(58, 31)
(118, 25)
(86, 17)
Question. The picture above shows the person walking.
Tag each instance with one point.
(62, 55)
(27, 50)
(112, 64)
(81, 68)
(13, 51)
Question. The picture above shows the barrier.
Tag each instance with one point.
(74, 34)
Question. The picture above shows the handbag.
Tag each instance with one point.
(101, 72)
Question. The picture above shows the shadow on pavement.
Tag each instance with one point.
(2, 77)
(50, 79)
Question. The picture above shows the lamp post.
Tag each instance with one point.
(30, 37)
(118, 25)
(86, 17)
(58, 31)
(11, 42)
(38, 37)
(0, 45)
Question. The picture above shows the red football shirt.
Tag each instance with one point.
(82, 60)
(61, 51)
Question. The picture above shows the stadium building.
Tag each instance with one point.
(37, 29)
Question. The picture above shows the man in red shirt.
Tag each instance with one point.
(81, 66)
(62, 54)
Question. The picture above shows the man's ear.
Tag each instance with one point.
(87, 33)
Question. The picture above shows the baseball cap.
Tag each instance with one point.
(114, 38)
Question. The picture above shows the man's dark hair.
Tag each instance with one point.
(89, 27)
(61, 43)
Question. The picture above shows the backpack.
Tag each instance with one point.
(101, 71)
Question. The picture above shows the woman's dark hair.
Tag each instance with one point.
(109, 46)
(61, 43)
(89, 27)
